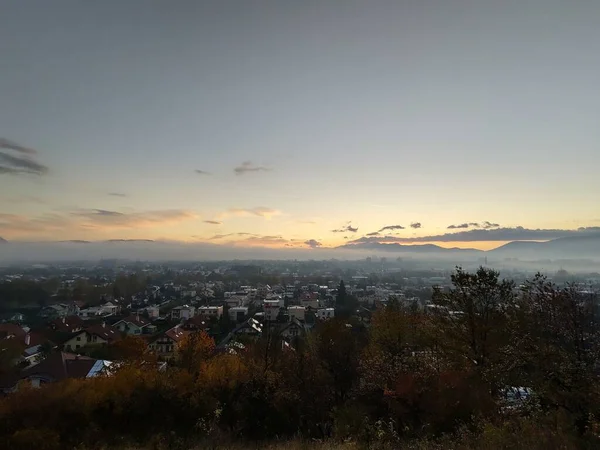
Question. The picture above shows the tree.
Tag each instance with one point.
(474, 327)
(194, 350)
(342, 295)
(560, 347)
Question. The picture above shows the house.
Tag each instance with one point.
(30, 343)
(196, 323)
(133, 325)
(238, 313)
(153, 312)
(57, 367)
(297, 312)
(166, 344)
(210, 312)
(182, 312)
(12, 331)
(271, 308)
(105, 310)
(293, 329)
(250, 327)
(325, 313)
(67, 324)
(54, 311)
(94, 335)
(17, 317)
(310, 300)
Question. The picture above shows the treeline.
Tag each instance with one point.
(426, 379)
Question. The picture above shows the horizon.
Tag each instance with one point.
(299, 126)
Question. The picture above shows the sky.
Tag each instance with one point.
(311, 124)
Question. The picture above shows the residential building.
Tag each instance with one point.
(310, 300)
(238, 313)
(210, 312)
(166, 344)
(57, 367)
(54, 311)
(325, 313)
(133, 325)
(108, 309)
(182, 312)
(297, 312)
(293, 329)
(271, 308)
(153, 312)
(94, 335)
(67, 324)
(196, 323)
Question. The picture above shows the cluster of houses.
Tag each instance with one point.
(56, 351)
(283, 313)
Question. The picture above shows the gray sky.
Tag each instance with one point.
(371, 112)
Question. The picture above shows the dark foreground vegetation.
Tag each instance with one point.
(442, 378)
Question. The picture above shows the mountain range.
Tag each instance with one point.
(574, 247)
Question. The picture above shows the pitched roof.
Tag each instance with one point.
(105, 332)
(67, 324)
(176, 334)
(195, 322)
(135, 320)
(10, 329)
(59, 366)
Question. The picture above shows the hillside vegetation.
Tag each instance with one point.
(404, 379)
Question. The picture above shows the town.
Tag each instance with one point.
(83, 313)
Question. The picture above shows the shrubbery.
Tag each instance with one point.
(411, 379)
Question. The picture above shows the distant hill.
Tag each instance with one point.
(3, 241)
(585, 246)
(395, 247)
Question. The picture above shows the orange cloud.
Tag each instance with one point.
(50, 225)
(260, 211)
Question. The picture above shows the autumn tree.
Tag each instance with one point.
(474, 322)
(560, 346)
(195, 348)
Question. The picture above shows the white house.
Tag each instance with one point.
(325, 313)
(183, 312)
(132, 325)
(271, 308)
(209, 312)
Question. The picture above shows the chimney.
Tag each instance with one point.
(64, 319)
(27, 339)
(103, 324)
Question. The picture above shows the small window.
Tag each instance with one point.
(77, 346)
(78, 338)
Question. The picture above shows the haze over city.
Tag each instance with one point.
(303, 125)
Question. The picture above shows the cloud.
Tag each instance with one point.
(416, 225)
(487, 225)
(10, 145)
(483, 225)
(374, 233)
(307, 222)
(479, 235)
(213, 222)
(202, 172)
(117, 194)
(454, 227)
(391, 227)
(248, 166)
(260, 211)
(312, 243)
(21, 165)
(107, 219)
(223, 236)
(346, 228)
